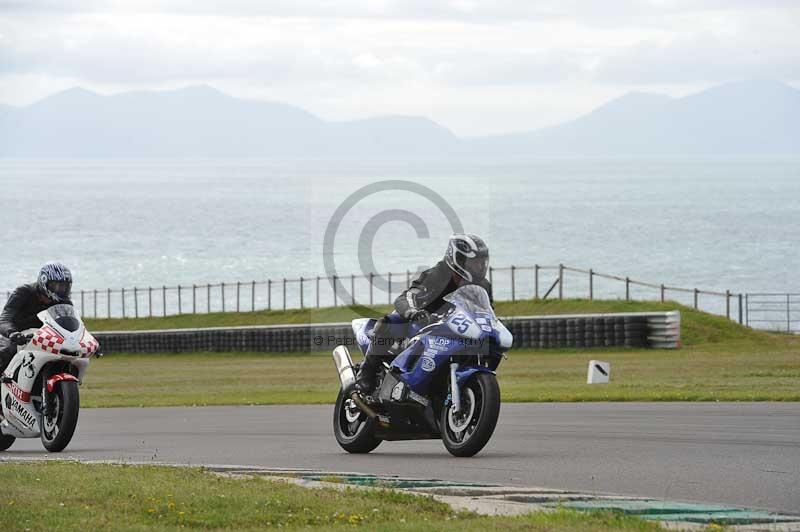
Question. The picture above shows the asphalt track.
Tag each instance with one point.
(746, 454)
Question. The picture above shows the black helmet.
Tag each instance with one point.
(468, 256)
(55, 281)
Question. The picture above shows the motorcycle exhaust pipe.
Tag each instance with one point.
(344, 365)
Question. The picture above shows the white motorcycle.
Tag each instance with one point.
(39, 390)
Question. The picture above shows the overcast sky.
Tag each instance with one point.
(476, 66)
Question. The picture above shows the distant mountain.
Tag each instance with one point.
(747, 118)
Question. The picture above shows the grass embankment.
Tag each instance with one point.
(44, 496)
(344, 314)
(720, 361)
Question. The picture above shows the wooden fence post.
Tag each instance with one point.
(627, 289)
(180, 301)
(335, 297)
(164, 300)
(662, 292)
(135, 302)
(536, 281)
(252, 296)
(560, 281)
(728, 304)
(284, 293)
(222, 293)
(194, 299)
(696, 292)
(150, 301)
(591, 284)
(123, 302)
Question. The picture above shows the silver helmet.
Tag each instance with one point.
(468, 256)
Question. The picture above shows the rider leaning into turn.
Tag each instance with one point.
(53, 287)
(466, 261)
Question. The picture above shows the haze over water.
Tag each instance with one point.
(713, 223)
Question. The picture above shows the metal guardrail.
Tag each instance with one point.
(773, 311)
(509, 283)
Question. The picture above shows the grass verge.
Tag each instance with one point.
(73, 496)
(714, 372)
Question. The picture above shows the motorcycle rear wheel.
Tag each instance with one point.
(57, 430)
(466, 434)
(353, 429)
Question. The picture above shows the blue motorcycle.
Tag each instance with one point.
(441, 382)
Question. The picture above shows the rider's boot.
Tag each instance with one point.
(365, 379)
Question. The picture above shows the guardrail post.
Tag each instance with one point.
(591, 284)
(269, 294)
(194, 299)
(252, 296)
(222, 293)
(371, 284)
(301, 293)
(123, 302)
(696, 292)
(108, 303)
(208, 298)
(728, 304)
(238, 293)
(135, 302)
(662, 292)
(164, 300)
(317, 291)
(627, 289)
(335, 299)
(180, 301)
(741, 320)
(536, 281)
(513, 284)
(284, 293)
(352, 289)
(560, 281)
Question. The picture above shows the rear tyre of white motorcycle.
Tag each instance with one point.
(358, 440)
(57, 433)
(484, 390)
(6, 441)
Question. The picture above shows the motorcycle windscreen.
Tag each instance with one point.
(472, 298)
(65, 316)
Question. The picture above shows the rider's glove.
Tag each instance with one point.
(421, 318)
(18, 338)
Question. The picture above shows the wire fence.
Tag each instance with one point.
(780, 312)
(509, 283)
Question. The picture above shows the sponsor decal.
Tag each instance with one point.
(19, 393)
(27, 365)
(441, 341)
(427, 363)
(19, 411)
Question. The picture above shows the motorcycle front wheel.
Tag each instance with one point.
(6, 441)
(354, 430)
(465, 433)
(59, 422)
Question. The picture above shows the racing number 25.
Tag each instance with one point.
(462, 322)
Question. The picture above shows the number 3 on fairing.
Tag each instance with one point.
(462, 322)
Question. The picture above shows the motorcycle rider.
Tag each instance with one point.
(52, 287)
(465, 262)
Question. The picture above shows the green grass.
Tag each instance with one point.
(72, 496)
(720, 360)
(716, 372)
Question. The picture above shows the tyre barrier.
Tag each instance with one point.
(638, 329)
